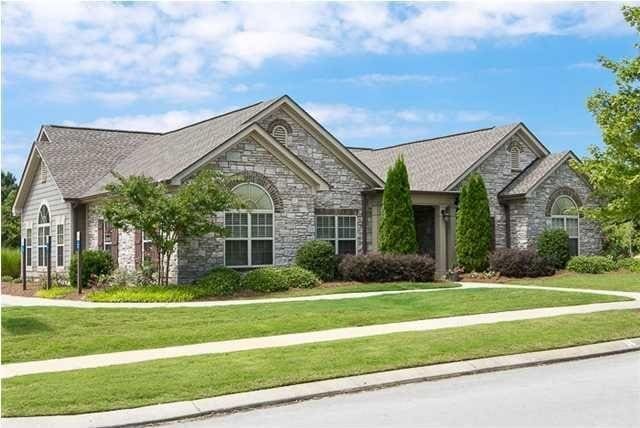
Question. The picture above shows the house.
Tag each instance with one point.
(302, 184)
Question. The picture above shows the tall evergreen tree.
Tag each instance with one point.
(397, 228)
(10, 223)
(473, 225)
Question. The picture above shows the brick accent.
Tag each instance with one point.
(262, 180)
(567, 191)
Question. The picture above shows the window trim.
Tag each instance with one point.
(336, 239)
(249, 238)
(564, 218)
(43, 227)
(28, 251)
(59, 245)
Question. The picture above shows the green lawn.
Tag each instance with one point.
(612, 281)
(191, 378)
(55, 292)
(37, 333)
(340, 288)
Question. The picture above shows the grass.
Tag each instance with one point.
(611, 281)
(188, 293)
(55, 292)
(37, 333)
(10, 262)
(190, 378)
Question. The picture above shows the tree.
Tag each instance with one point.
(473, 225)
(168, 217)
(10, 223)
(614, 170)
(397, 228)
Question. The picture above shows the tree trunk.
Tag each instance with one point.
(167, 268)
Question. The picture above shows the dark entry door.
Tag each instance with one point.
(425, 229)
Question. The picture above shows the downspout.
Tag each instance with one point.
(507, 225)
(365, 222)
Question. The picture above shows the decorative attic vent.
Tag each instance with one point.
(279, 132)
(43, 173)
(515, 158)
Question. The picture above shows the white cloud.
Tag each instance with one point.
(374, 79)
(465, 116)
(585, 66)
(132, 46)
(155, 123)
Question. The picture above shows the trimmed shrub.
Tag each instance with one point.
(591, 264)
(629, 264)
(297, 277)
(397, 227)
(10, 262)
(473, 225)
(553, 245)
(265, 280)
(221, 281)
(520, 263)
(387, 268)
(94, 262)
(318, 257)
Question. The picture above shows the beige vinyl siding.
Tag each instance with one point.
(48, 194)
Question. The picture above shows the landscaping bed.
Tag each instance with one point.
(38, 333)
(611, 281)
(190, 378)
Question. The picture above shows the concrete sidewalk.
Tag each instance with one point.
(288, 394)
(101, 360)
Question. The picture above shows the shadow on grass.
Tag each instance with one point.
(23, 326)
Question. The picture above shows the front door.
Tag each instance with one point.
(424, 216)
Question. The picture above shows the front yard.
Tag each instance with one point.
(612, 281)
(38, 333)
(190, 378)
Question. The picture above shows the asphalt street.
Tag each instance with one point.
(600, 392)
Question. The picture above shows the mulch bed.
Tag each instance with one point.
(16, 290)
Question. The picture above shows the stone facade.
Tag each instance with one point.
(497, 173)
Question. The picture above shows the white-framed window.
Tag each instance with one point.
(339, 230)
(515, 158)
(147, 246)
(279, 133)
(44, 224)
(107, 236)
(28, 248)
(564, 215)
(60, 244)
(250, 232)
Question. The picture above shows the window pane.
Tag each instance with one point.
(557, 223)
(236, 224)
(347, 227)
(261, 225)
(262, 252)
(572, 227)
(325, 227)
(29, 256)
(563, 205)
(573, 246)
(236, 253)
(347, 247)
(254, 197)
(60, 234)
(43, 216)
(60, 256)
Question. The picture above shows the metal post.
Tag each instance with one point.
(48, 262)
(79, 267)
(24, 263)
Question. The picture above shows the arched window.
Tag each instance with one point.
(279, 132)
(250, 231)
(515, 158)
(564, 215)
(44, 225)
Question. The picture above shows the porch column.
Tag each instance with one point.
(441, 240)
(375, 224)
(451, 237)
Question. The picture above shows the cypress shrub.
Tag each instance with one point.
(94, 262)
(397, 228)
(473, 225)
(318, 257)
(553, 245)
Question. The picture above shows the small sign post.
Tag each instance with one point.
(49, 262)
(79, 267)
(24, 263)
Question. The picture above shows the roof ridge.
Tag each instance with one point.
(88, 128)
(213, 117)
(455, 134)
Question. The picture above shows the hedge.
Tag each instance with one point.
(94, 262)
(387, 268)
(221, 281)
(520, 263)
(591, 264)
(553, 245)
(318, 257)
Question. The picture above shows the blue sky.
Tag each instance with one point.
(374, 74)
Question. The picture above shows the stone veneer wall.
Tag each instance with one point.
(519, 218)
(497, 173)
(590, 236)
(126, 247)
(293, 224)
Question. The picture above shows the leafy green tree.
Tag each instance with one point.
(397, 228)
(473, 225)
(622, 240)
(168, 217)
(614, 170)
(10, 223)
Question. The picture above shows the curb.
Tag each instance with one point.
(319, 389)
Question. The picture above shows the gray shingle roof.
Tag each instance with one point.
(436, 163)
(535, 172)
(79, 157)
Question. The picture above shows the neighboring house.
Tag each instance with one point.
(301, 184)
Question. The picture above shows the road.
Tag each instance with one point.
(600, 392)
